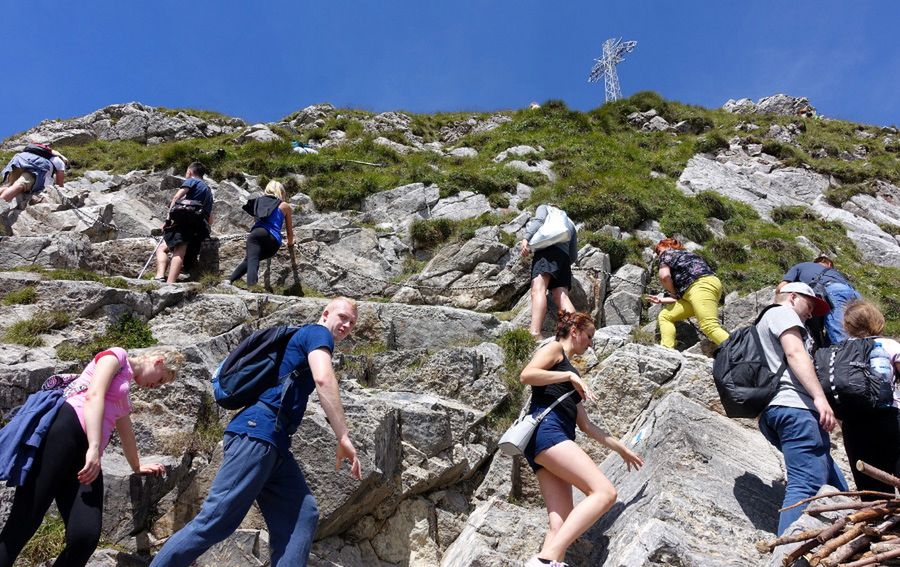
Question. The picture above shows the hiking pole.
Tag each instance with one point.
(152, 255)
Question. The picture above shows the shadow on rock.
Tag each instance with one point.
(759, 501)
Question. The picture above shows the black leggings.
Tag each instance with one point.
(873, 437)
(53, 476)
(260, 245)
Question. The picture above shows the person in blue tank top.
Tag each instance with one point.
(264, 239)
(558, 462)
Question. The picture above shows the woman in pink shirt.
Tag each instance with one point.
(67, 467)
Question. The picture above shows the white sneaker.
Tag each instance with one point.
(535, 562)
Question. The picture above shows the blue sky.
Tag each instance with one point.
(263, 60)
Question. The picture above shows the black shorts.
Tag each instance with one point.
(556, 264)
(176, 235)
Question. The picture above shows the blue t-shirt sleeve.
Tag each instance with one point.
(303, 342)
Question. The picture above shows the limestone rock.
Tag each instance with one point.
(464, 205)
(257, 133)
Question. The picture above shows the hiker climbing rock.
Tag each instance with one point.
(26, 175)
(552, 237)
(76, 424)
(693, 290)
(187, 225)
(272, 213)
(830, 284)
(798, 419)
(258, 464)
(552, 453)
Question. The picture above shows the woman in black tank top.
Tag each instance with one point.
(553, 453)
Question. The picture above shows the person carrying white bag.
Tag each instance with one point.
(551, 234)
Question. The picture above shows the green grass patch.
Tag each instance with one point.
(47, 542)
(29, 331)
(129, 332)
(75, 274)
(24, 296)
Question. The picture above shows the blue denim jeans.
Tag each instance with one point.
(807, 456)
(839, 295)
(251, 470)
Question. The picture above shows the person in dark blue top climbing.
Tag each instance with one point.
(258, 465)
(264, 239)
(559, 463)
(187, 225)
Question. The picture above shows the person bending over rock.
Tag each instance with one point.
(258, 465)
(67, 465)
(264, 239)
(556, 459)
(551, 268)
(693, 290)
(187, 225)
(26, 175)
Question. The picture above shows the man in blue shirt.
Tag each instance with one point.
(257, 462)
(183, 238)
(821, 273)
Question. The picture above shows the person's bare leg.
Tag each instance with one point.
(557, 495)
(561, 299)
(538, 303)
(177, 262)
(162, 261)
(570, 463)
(16, 186)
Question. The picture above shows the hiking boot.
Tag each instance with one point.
(535, 562)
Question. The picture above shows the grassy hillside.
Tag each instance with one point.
(604, 166)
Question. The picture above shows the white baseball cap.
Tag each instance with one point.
(821, 306)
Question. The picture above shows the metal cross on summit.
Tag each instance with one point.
(614, 51)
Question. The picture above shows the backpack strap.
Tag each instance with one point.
(553, 405)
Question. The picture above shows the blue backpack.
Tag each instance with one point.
(252, 368)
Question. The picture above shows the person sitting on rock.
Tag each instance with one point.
(187, 225)
(798, 418)
(26, 175)
(693, 290)
(873, 436)
(838, 292)
(552, 453)
(258, 464)
(264, 239)
(551, 268)
(67, 468)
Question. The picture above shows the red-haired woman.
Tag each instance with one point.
(557, 460)
(694, 291)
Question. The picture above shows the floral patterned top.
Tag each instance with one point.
(686, 268)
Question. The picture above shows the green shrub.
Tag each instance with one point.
(727, 250)
(840, 194)
(735, 225)
(129, 332)
(25, 296)
(617, 250)
(429, 233)
(715, 205)
(499, 200)
(791, 213)
(517, 345)
(711, 143)
(28, 332)
(689, 223)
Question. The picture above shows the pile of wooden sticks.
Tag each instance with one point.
(869, 534)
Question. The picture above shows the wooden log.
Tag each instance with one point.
(831, 545)
(878, 474)
(765, 546)
(875, 559)
(882, 546)
(847, 506)
(823, 536)
(853, 547)
(867, 514)
(847, 493)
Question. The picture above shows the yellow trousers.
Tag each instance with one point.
(700, 299)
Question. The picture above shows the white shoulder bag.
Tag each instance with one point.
(516, 438)
(554, 230)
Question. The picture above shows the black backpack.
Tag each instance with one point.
(187, 212)
(39, 150)
(849, 384)
(252, 368)
(743, 379)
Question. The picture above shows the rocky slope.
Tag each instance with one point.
(426, 374)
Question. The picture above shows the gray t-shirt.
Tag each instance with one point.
(774, 323)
